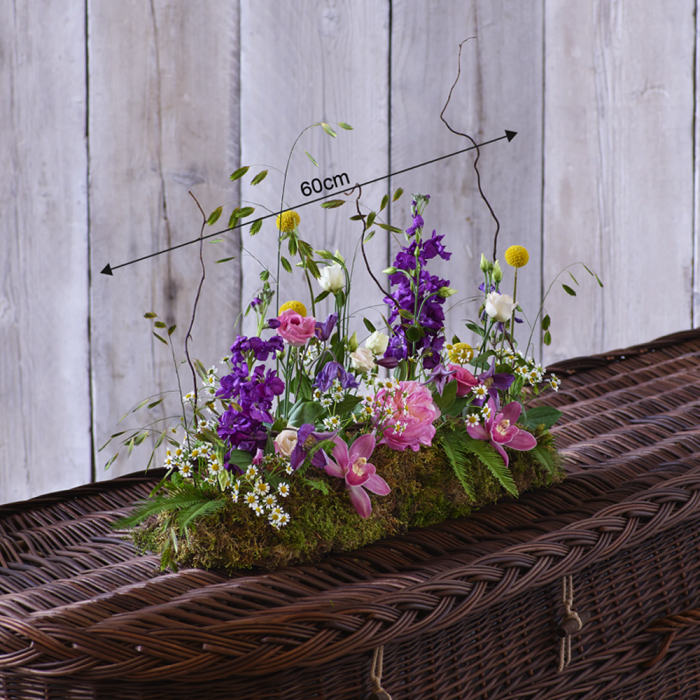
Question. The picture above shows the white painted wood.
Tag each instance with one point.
(303, 62)
(163, 120)
(44, 375)
(619, 103)
(500, 88)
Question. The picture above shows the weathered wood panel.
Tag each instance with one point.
(500, 88)
(163, 120)
(44, 371)
(315, 60)
(619, 105)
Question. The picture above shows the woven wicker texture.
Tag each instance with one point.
(465, 609)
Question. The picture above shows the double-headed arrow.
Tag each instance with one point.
(108, 269)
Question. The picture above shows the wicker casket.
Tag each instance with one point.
(590, 589)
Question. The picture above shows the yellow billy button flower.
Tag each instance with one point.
(517, 256)
(460, 353)
(288, 221)
(294, 306)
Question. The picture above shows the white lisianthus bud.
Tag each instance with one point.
(497, 272)
(390, 271)
(285, 442)
(353, 342)
(362, 360)
(332, 278)
(445, 292)
(499, 306)
(485, 265)
(377, 342)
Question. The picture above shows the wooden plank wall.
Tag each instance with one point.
(111, 113)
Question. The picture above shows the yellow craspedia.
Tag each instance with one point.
(294, 306)
(460, 353)
(517, 256)
(288, 221)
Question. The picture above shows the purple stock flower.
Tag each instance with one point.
(255, 302)
(241, 426)
(324, 330)
(332, 371)
(417, 223)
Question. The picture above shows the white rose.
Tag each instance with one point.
(332, 278)
(285, 442)
(377, 342)
(362, 360)
(499, 306)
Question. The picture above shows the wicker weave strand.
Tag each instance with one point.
(567, 598)
(375, 675)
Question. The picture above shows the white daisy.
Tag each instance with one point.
(251, 472)
(283, 489)
(473, 419)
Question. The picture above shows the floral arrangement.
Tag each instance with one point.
(312, 439)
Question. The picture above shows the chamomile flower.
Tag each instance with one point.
(251, 472)
(269, 500)
(337, 396)
(261, 487)
(258, 509)
(283, 520)
(331, 423)
(472, 419)
(168, 461)
(225, 360)
(283, 489)
(276, 512)
(486, 412)
(188, 397)
(215, 467)
(202, 423)
(555, 382)
(480, 391)
(289, 469)
(234, 493)
(317, 394)
(250, 499)
(326, 402)
(186, 469)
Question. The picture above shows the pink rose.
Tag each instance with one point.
(295, 329)
(466, 381)
(413, 413)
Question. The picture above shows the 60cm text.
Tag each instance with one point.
(308, 188)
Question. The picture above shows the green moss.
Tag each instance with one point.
(424, 491)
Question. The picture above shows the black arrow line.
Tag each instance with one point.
(108, 269)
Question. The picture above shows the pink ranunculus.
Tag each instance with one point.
(500, 430)
(413, 412)
(466, 381)
(359, 474)
(295, 329)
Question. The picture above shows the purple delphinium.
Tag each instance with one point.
(431, 317)
(254, 390)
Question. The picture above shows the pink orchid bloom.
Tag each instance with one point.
(500, 430)
(359, 474)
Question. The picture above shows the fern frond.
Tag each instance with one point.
(196, 511)
(457, 457)
(493, 461)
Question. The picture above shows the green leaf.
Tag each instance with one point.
(223, 260)
(598, 280)
(547, 340)
(150, 314)
(239, 173)
(305, 412)
(568, 290)
(369, 325)
(370, 219)
(544, 457)
(385, 201)
(155, 403)
(386, 227)
(357, 217)
(573, 278)
(246, 211)
(292, 246)
(540, 415)
(241, 458)
(172, 329)
(201, 369)
(414, 333)
(159, 324)
(458, 406)
(311, 158)
(259, 177)
(214, 216)
(476, 329)
(453, 444)
(264, 275)
(445, 400)
(333, 203)
(111, 461)
(345, 126)
(286, 265)
(370, 236)
(328, 129)
(196, 512)
(397, 194)
(546, 321)
(348, 404)
(233, 219)
(406, 314)
(255, 226)
(325, 254)
(493, 461)
(321, 296)
(162, 340)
